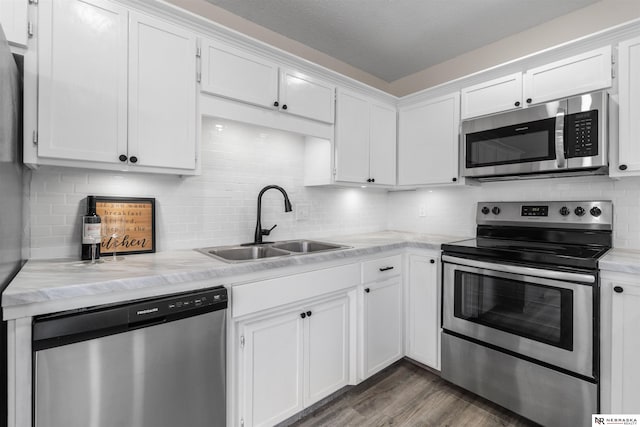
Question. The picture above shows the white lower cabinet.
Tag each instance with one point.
(620, 345)
(292, 359)
(423, 309)
(382, 314)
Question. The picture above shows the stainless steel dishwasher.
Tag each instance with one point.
(148, 363)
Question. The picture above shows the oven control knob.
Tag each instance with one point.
(485, 210)
(564, 211)
(595, 211)
(579, 211)
(495, 210)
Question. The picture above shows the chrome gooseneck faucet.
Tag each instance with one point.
(265, 232)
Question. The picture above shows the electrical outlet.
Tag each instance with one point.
(422, 210)
(302, 212)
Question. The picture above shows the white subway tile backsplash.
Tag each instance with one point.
(451, 211)
(215, 208)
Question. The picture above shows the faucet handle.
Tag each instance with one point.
(266, 232)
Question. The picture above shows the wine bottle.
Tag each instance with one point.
(91, 230)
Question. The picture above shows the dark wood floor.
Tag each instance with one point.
(408, 395)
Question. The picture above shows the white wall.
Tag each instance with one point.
(451, 211)
(216, 208)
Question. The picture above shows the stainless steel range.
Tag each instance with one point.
(520, 311)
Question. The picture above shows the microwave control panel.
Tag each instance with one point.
(581, 133)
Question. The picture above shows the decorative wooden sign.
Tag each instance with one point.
(129, 225)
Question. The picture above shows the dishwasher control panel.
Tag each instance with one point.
(209, 300)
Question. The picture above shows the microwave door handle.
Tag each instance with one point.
(561, 161)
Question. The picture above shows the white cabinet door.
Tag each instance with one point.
(13, 18)
(233, 73)
(625, 347)
(501, 94)
(382, 324)
(82, 81)
(162, 94)
(423, 311)
(571, 76)
(382, 144)
(352, 137)
(428, 142)
(272, 364)
(628, 161)
(307, 97)
(326, 349)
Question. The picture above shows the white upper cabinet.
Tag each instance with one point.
(82, 105)
(502, 94)
(14, 21)
(116, 89)
(383, 144)
(307, 97)
(237, 74)
(233, 73)
(428, 142)
(627, 162)
(365, 140)
(162, 94)
(571, 76)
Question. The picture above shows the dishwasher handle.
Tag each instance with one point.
(85, 324)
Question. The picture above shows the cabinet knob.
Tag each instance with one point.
(432, 261)
(373, 180)
(618, 289)
(303, 315)
(529, 100)
(454, 179)
(276, 103)
(284, 106)
(309, 313)
(622, 167)
(517, 103)
(368, 179)
(133, 159)
(122, 158)
(367, 290)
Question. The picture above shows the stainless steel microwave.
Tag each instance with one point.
(569, 135)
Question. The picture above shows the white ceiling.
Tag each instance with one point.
(391, 39)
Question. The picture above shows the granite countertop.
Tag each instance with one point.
(46, 281)
(621, 260)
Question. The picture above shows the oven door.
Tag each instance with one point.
(541, 314)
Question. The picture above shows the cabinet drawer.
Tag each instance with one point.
(382, 268)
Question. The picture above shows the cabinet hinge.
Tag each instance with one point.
(35, 137)
(614, 60)
(241, 422)
(198, 76)
(334, 171)
(241, 341)
(30, 29)
(198, 52)
(33, 1)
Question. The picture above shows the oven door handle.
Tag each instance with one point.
(525, 271)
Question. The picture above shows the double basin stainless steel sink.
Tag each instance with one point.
(240, 253)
